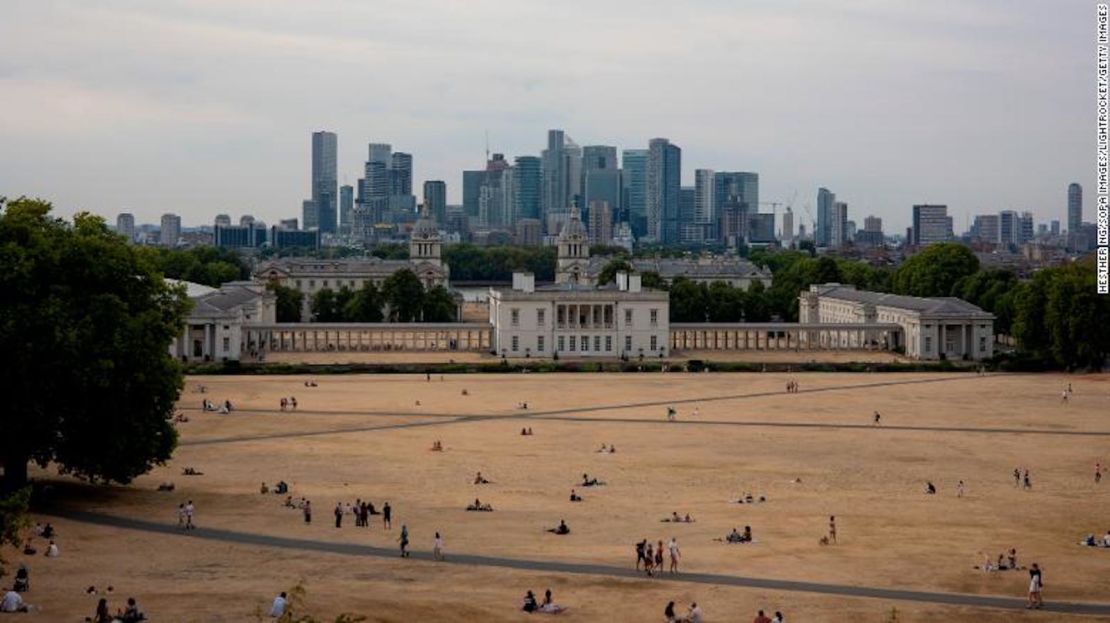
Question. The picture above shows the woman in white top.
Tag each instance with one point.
(52, 550)
(437, 548)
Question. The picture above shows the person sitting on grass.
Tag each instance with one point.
(132, 614)
(929, 488)
(548, 606)
(530, 604)
(737, 537)
(479, 480)
(281, 488)
(478, 506)
(12, 602)
(574, 497)
(590, 482)
(562, 529)
(22, 580)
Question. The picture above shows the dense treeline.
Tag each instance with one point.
(210, 266)
(402, 298)
(472, 263)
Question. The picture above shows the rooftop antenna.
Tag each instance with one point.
(487, 146)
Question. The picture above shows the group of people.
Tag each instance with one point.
(281, 488)
(674, 518)
(748, 498)
(478, 506)
(129, 614)
(185, 512)
(289, 404)
(607, 449)
(591, 482)
(526, 432)
(693, 614)
(547, 607)
(651, 557)
(740, 537)
(362, 511)
(761, 617)
(792, 387)
(1021, 479)
(1004, 562)
(224, 409)
(1092, 541)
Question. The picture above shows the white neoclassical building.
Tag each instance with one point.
(932, 328)
(621, 319)
(214, 330)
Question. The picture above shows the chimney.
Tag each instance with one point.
(524, 282)
(634, 283)
(622, 281)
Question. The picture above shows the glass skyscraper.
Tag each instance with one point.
(325, 180)
(634, 190)
(664, 182)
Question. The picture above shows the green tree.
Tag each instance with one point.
(757, 308)
(328, 305)
(651, 279)
(404, 294)
(725, 303)
(391, 251)
(439, 305)
(14, 519)
(1059, 316)
(609, 273)
(935, 270)
(689, 301)
(289, 302)
(207, 265)
(86, 323)
(365, 305)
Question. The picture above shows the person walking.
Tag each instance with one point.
(832, 529)
(307, 511)
(659, 556)
(960, 489)
(1025, 481)
(1017, 477)
(181, 515)
(189, 509)
(437, 548)
(338, 515)
(404, 541)
(1036, 584)
(387, 516)
(1098, 472)
(672, 548)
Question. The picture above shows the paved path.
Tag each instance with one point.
(550, 566)
(568, 415)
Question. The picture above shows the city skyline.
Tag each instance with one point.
(958, 110)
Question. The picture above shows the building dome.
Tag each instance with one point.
(574, 227)
(425, 227)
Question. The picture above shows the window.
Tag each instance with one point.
(627, 343)
(540, 316)
(311, 283)
(298, 284)
(628, 317)
(654, 342)
(515, 312)
(573, 343)
(227, 328)
(928, 344)
(539, 343)
(654, 318)
(560, 344)
(516, 343)
(982, 344)
(325, 283)
(227, 344)
(585, 343)
(597, 343)
(608, 343)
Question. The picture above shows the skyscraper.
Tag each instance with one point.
(223, 220)
(1026, 231)
(308, 214)
(562, 170)
(664, 184)
(704, 205)
(931, 224)
(435, 199)
(688, 229)
(324, 180)
(634, 189)
(346, 207)
(527, 187)
(170, 232)
(838, 226)
(986, 228)
(400, 177)
(601, 178)
(1009, 228)
(788, 228)
(600, 222)
(1075, 207)
(822, 233)
(125, 225)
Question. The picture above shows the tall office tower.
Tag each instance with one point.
(664, 184)
(849, 228)
(308, 214)
(400, 174)
(562, 173)
(1009, 228)
(346, 207)
(325, 180)
(508, 198)
(1026, 231)
(528, 232)
(491, 194)
(125, 226)
(601, 178)
(1075, 207)
(379, 152)
(688, 229)
(838, 226)
(171, 230)
(704, 206)
(986, 228)
(826, 201)
(573, 154)
(435, 199)
(931, 224)
(223, 220)
(873, 223)
(1054, 227)
(527, 187)
(735, 200)
(472, 190)
(246, 220)
(788, 228)
(634, 190)
(600, 222)
(872, 233)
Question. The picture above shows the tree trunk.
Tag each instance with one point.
(15, 475)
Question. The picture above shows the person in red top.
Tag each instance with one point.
(761, 618)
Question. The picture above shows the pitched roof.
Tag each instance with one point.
(931, 306)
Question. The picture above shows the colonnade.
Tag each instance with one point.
(319, 337)
(785, 336)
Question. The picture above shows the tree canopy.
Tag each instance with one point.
(86, 323)
(473, 263)
(207, 265)
(934, 270)
(1060, 317)
(609, 273)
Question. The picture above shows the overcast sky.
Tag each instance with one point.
(204, 107)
